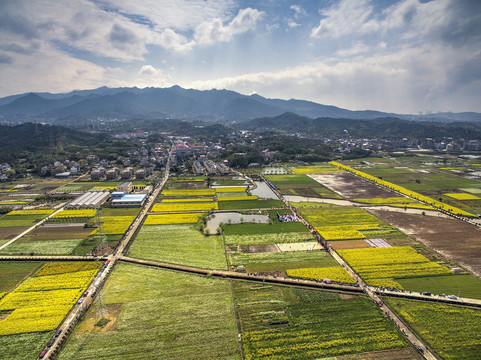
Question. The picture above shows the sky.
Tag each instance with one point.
(403, 56)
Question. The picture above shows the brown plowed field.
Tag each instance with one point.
(349, 244)
(455, 239)
(8, 233)
(57, 232)
(352, 187)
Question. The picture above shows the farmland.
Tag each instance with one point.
(157, 314)
(334, 273)
(162, 219)
(459, 285)
(41, 302)
(452, 332)
(13, 272)
(380, 266)
(269, 238)
(438, 233)
(179, 244)
(160, 314)
(277, 322)
(251, 204)
(278, 262)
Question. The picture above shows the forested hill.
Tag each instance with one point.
(378, 128)
(32, 145)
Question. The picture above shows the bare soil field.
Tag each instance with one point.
(57, 232)
(403, 354)
(352, 187)
(8, 233)
(262, 248)
(349, 244)
(455, 239)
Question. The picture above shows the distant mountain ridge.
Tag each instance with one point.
(179, 103)
(385, 128)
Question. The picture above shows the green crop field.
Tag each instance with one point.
(280, 261)
(278, 322)
(158, 314)
(453, 332)
(20, 220)
(263, 239)
(179, 244)
(250, 204)
(48, 247)
(23, 346)
(120, 211)
(459, 285)
(274, 227)
(13, 272)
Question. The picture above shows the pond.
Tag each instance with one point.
(263, 191)
(214, 220)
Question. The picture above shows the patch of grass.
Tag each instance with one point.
(453, 332)
(163, 315)
(13, 272)
(23, 346)
(281, 261)
(251, 204)
(459, 285)
(52, 247)
(179, 244)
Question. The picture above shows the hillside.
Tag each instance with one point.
(381, 128)
(77, 108)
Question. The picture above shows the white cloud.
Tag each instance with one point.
(61, 73)
(148, 70)
(292, 24)
(170, 40)
(214, 30)
(407, 81)
(358, 48)
(346, 17)
(181, 15)
(298, 11)
(150, 76)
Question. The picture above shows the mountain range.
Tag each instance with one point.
(220, 106)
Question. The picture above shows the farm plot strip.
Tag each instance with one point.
(243, 276)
